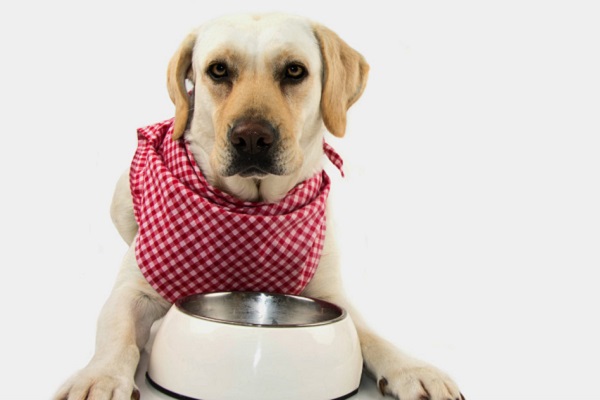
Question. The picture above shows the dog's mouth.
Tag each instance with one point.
(252, 172)
(253, 167)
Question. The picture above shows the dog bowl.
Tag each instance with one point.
(255, 346)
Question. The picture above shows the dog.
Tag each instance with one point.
(253, 96)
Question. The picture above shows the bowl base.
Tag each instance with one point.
(183, 397)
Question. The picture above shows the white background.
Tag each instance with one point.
(469, 219)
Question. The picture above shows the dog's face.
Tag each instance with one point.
(263, 87)
(260, 85)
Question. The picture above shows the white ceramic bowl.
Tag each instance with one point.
(255, 346)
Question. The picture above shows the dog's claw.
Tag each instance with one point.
(382, 385)
(135, 395)
(462, 397)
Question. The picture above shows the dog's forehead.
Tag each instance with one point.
(257, 35)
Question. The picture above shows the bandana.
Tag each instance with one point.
(194, 238)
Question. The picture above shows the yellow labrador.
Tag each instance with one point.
(260, 81)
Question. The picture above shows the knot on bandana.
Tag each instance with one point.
(194, 238)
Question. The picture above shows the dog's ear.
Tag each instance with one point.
(180, 67)
(345, 74)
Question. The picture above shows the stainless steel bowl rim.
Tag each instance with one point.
(340, 312)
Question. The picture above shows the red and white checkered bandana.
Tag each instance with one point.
(194, 238)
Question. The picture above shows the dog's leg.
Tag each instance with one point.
(396, 373)
(121, 209)
(123, 330)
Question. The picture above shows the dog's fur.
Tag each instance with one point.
(245, 69)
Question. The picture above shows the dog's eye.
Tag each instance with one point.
(218, 71)
(295, 72)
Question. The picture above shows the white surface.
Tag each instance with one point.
(469, 218)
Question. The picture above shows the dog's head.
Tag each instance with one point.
(263, 87)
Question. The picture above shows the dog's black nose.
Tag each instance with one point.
(252, 137)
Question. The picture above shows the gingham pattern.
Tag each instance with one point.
(194, 238)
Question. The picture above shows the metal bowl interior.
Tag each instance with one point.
(261, 309)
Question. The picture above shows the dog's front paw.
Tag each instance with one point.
(418, 382)
(402, 376)
(98, 383)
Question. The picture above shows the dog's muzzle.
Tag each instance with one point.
(254, 145)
